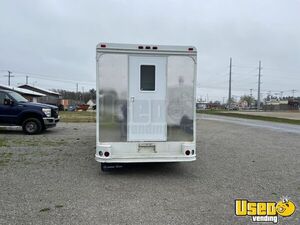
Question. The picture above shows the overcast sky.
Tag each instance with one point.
(55, 39)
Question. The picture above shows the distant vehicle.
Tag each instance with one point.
(232, 107)
(201, 106)
(15, 110)
(82, 107)
(71, 108)
(146, 108)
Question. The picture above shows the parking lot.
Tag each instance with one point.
(53, 178)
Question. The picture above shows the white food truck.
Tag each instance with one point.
(145, 103)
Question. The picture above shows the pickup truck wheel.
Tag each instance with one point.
(32, 126)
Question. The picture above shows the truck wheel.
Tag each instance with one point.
(32, 126)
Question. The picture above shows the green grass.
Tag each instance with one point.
(3, 143)
(78, 117)
(87, 117)
(248, 116)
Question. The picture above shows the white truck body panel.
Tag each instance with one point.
(145, 103)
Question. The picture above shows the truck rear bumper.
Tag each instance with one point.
(51, 121)
(135, 152)
(145, 159)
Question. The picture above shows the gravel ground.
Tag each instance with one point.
(53, 179)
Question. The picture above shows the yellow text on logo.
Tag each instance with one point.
(245, 208)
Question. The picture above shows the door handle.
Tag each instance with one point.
(132, 99)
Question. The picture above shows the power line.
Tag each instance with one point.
(283, 69)
(42, 77)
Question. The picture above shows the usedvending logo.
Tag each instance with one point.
(264, 211)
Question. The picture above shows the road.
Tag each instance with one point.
(53, 178)
(292, 115)
(280, 127)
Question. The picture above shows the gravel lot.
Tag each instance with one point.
(53, 178)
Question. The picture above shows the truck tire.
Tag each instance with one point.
(32, 126)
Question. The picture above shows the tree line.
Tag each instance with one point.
(82, 97)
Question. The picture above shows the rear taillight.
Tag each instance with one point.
(187, 152)
(106, 154)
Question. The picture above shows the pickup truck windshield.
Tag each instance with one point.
(18, 97)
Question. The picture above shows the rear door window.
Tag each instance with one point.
(147, 78)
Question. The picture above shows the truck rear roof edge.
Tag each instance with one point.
(104, 46)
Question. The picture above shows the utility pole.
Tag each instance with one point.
(229, 93)
(76, 95)
(270, 93)
(251, 92)
(83, 95)
(9, 76)
(281, 94)
(258, 91)
(27, 79)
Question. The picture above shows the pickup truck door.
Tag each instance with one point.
(8, 113)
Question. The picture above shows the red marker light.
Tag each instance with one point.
(191, 49)
(147, 47)
(103, 46)
(141, 47)
(154, 47)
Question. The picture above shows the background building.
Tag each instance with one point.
(31, 96)
(50, 97)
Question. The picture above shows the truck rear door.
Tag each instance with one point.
(147, 99)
